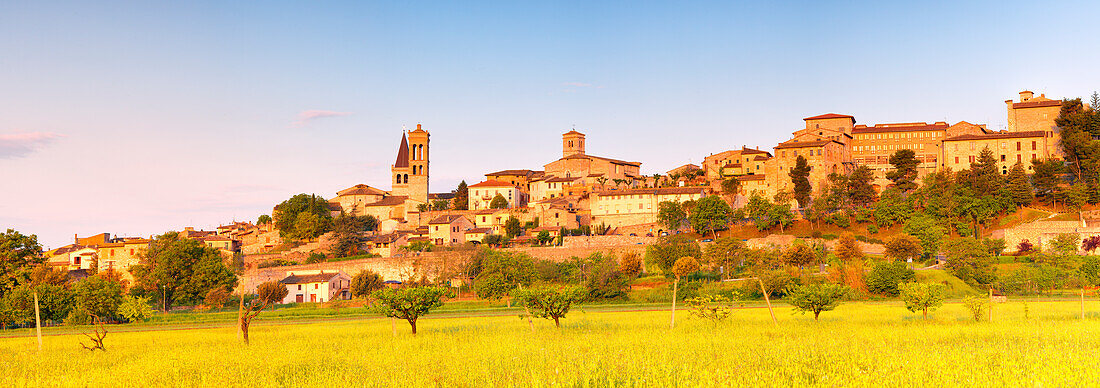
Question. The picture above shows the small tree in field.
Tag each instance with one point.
(408, 303)
(816, 298)
(683, 267)
(548, 302)
(135, 308)
(266, 294)
(976, 305)
(215, 298)
(922, 297)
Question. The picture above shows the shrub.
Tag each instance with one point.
(216, 298)
(884, 278)
(815, 298)
(135, 308)
(977, 306)
(923, 297)
(316, 257)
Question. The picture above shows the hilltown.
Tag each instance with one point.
(579, 201)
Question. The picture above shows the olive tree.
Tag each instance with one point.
(408, 303)
(816, 298)
(922, 297)
(548, 302)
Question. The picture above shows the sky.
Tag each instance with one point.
(136, 118)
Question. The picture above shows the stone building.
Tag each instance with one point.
(449, 229)
(872, 146)
(745, 161)
(576, 163)
(1036, 114)
(638, 206)
(1008, 148)
(518, 178)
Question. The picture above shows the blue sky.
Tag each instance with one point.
(140, 117)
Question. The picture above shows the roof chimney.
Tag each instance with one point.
(417, 126)
(1026, 95)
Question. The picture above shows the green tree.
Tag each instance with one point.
(892, 208)
(884, 277)
(670, 215)
(264, 219)
(512, 227)
(97, 296)
(286, 213)
(799, 255)
(1019, 185)
(860, 190)
(440, 205)
(1046, 177)
(928, 231)
(175, 270)
(1065, 244)
(347, 230)
(19, 254)
(922, 297)
(668, 249)
(1078, 126)
(309, 226)
(800, 177)
(135, 308)
(462, 196)
(215, 298)
(847, 248)
(408, 303)
(714, 308)
(995, 246)
(725, 253)
(977, 306)
(630, 265)
(817, 297)
(730, 186)
(903, 248)
(904, 174)
(710, 214)
(498, 202)
(1077, 196)
(498, 273)
(968, 260)
(548, 302)
(366, 282)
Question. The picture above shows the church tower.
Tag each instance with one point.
(410, 171)
(572, 143)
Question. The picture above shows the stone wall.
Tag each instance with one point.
(430, 264)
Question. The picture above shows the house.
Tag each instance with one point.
(476, 235)
(316, 286)
(386, 245)
(618, 208)
(449, 229)
(481, 194)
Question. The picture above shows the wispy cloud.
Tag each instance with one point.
(572, 87)
(20, 144)
(578, 84)
(309, 115)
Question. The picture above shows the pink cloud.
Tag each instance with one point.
(20, 144)
(308, 115)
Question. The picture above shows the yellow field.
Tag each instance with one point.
(857, 344)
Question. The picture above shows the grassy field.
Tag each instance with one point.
(859, 344)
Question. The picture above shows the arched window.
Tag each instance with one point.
(398, 179)
(406, 178)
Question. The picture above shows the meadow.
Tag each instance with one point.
(858, 344)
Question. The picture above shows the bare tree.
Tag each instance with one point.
(266, 294)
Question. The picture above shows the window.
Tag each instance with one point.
(1002, 158)
(299, 286)
(1017, 146)
(1019, 158)
(1033, 146)
(316, 285)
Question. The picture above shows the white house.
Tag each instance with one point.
(316, 286)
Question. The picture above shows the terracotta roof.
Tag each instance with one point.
(486, 211)
(385, 238)
(215, 238)
(389, 201)
(573, 132)
(758, 157)
(311, 278)
(998, 135)
(333, 206)
(1036, 104)
(756, 177)
(805, 144)
(402, 153)
(441, 196)
(560, 179)
(657, 191)
(360, 189)
(900, 127)
(745, 151)
(478, 230)
(445, 219)
(511, 172)
(830, 116)
(547, 228)
(492, 183)
(615, 161)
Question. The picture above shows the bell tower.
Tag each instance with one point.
(572, 143)
(401, 169)
(417, 188)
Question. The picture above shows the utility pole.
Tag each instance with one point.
(37, 321)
